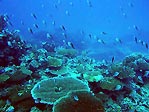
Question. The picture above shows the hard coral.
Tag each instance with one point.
(54, 63)
(93, 76)
(111, 83)
(50, 90)
(137, 62)
(66, 52)
(122, 71)
(78, 101)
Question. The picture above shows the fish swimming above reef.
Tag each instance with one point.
(146, 45)
(63, 28)
(89, 3)
(112, 60)
(118, 40)
(136, 40)
(36, 26)
(33, 15)
(30, 30)
(136, 28)
(71, 45)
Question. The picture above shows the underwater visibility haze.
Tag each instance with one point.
(74, 56)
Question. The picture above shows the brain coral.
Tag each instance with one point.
(49, 90)
(78, 101)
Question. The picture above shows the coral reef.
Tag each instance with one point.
(49, 90)
(93, 76)
(79, 101)
(54, 62)
(12, 48)
(66, 52)
(3, 22)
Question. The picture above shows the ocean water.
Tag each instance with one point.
(121, 19)
(74, 53)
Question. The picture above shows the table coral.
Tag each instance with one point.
(79, 101)
(50, 90)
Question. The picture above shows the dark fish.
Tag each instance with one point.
(63, 28)
(146, 45)
(101, 41)
(89, 3)
(35, 17)
(55, 6)
(104, 33)
(90, 36)
(71, 45)
(22, 22)
(119, 40)
(140, 41)
(30, 30)
(10, 24)
(130, 4)
(112, 59)
(49, 36)
(36, 26)
(64, 34)
(136, 40)
(136, 28)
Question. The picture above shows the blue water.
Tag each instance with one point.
(116, 18)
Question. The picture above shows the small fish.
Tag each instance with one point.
(76, 98)
(118, 87)
(136, 40)
(89, 3)
(67, 13)
(22, 22)
(112, 60)
(10, 24)
(36, 26)
(116, 74)
(71, 45)
(103, 33)
(55, 6)
(118, 40)
(44, 22)
(64, 34)
(130, 4)
(136, 28)
(37, 100)
(101, 41)
(90, 36)
(71, 3)
(34, 16)
(140, 41)
(146, 45)
(30, 30)
(53, 22)
(63, 28)
(49, 36)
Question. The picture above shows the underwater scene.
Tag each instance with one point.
(74, 56)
